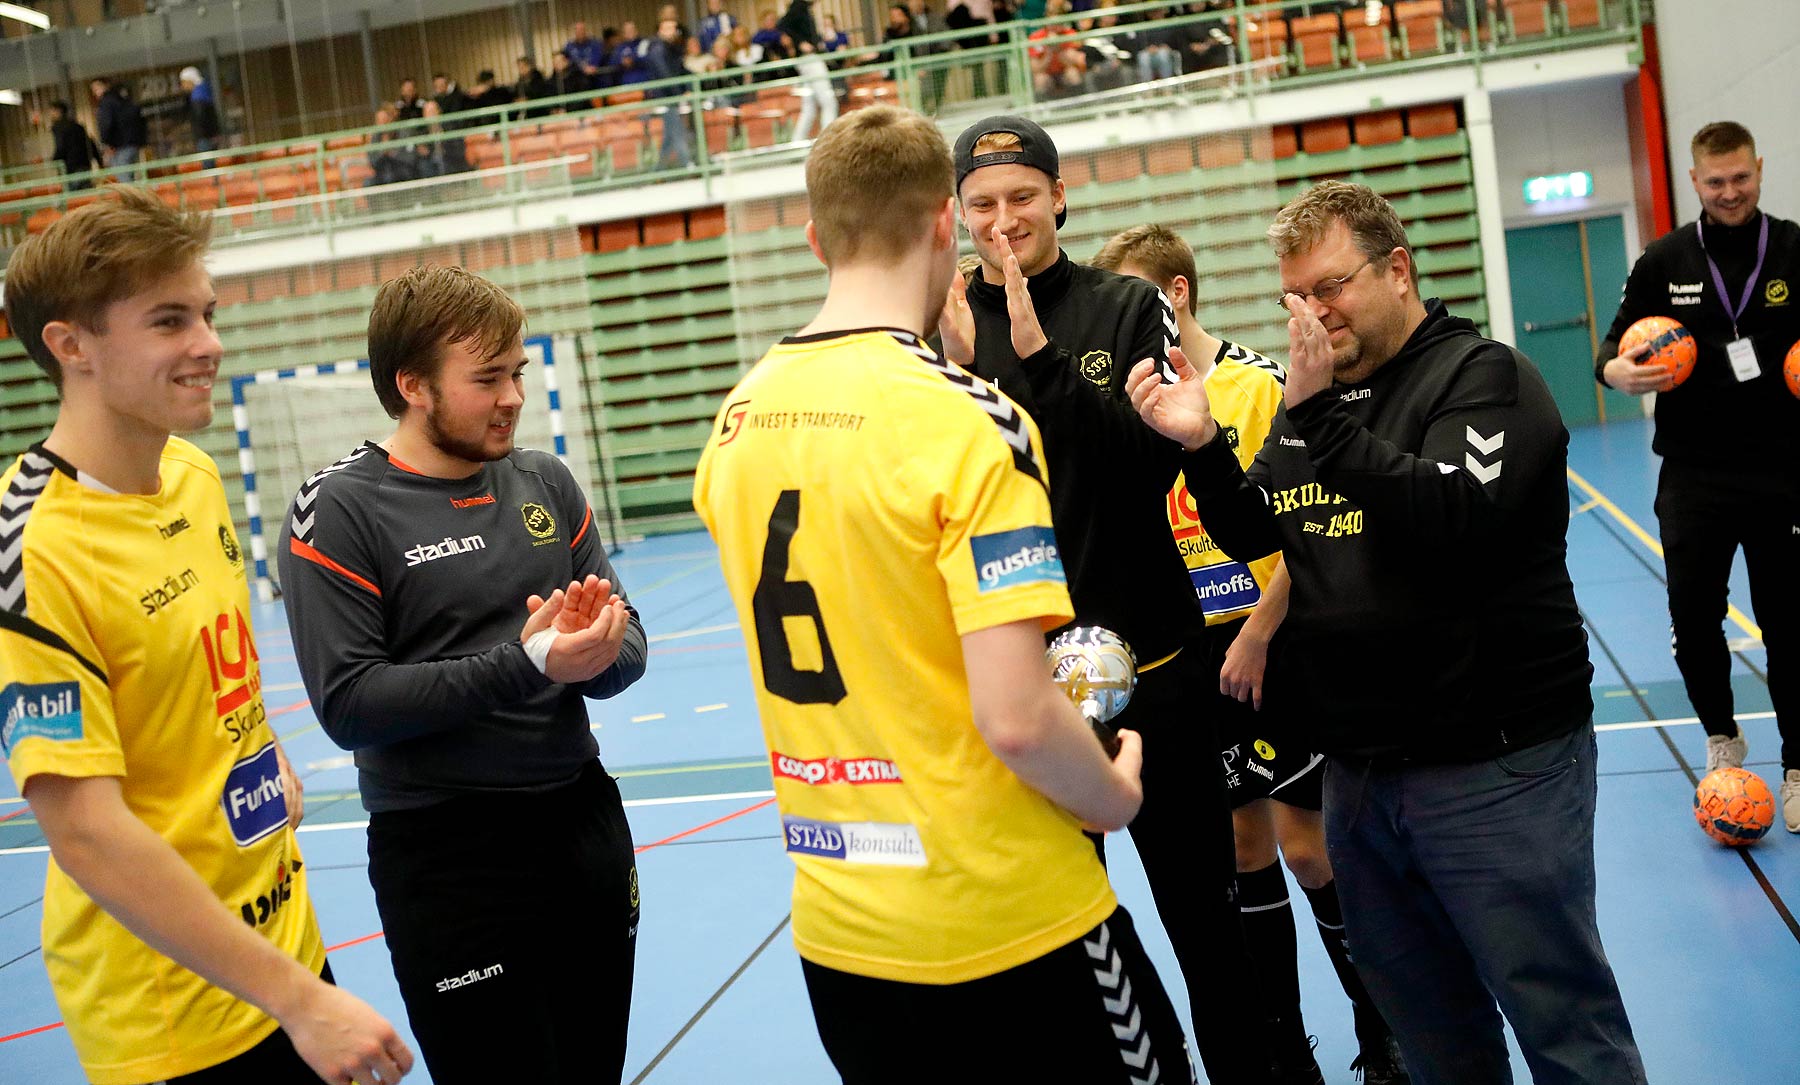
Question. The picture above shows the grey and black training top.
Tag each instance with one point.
(405, 595)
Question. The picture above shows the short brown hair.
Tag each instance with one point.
(94, 256)
(1374, 226)
(1721, 137)
(874, 179)
(425, 310)
(1158, 250)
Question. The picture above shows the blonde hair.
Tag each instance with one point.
(1373, 225)
(95, 256)
(1159, 251)
(419, 314)
(874, 179)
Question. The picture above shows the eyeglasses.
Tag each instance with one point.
(1326, 290)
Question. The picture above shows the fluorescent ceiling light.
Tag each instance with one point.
(25, 15)
(11, 97)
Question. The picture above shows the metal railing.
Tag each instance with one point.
(691, 126)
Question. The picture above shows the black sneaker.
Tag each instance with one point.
(1297, 1066)
(1381, 1064)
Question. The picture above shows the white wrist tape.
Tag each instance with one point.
(537, 649)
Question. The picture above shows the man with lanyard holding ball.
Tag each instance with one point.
(1729, 436)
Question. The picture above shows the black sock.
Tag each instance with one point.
(1269, 929)
(1370, 1028)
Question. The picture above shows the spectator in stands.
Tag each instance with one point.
(567, 78)
(1106, 62)
(1209, 44)
(1157, 48)
(697, 61)
(682, 34)
(585, 52)
(818, 102)
(409, 106)
(831, 39)
(449, 99)
(487, 93)
(717, 24)
(768, 35)
(121, 124)
(925, 20)
(798, 24)
(428, 155)
(1058, 62)
(745, 52)
(628, 55)
(71, 144)
(660, 61)
(531, 86)
(203, 113)
(967, 15)
(727, 76)
(390, 161)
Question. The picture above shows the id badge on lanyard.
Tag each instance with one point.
(1741, 351)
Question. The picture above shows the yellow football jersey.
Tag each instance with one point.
(872, 504)
(1245, 390)
(125, 650)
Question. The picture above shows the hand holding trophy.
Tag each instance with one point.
(1097, 670)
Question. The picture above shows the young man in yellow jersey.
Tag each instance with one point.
(884, 529)
(177, 931)
(1275, 783)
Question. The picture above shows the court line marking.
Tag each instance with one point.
(649, 717)
(711, 707)
(1738, 617)
(697, 632)
(635, 851)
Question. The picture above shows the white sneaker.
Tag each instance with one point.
(1790, 800)
(1726, 753)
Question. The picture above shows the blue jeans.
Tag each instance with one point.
(1468, 885)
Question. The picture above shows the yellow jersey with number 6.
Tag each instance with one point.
(872, 504)
(125, 651)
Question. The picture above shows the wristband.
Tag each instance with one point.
(537, 649)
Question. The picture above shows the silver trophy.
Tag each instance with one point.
(1096, 669)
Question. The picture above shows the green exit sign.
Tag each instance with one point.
(1559, 186)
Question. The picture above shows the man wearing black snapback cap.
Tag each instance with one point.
(1058, 338)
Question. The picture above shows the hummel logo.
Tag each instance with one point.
(1293, 442)
(1487, 447)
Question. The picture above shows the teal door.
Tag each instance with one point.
(1566, 281)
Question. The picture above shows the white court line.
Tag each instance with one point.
(711, 707)
(284, 687)
(700, 632)
(1679, 721)
(649, 717)
(336, 826)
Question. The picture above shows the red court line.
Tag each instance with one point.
(700, 828)
(286, 708)
(20, 812)
(378, 934)
(31, 1031)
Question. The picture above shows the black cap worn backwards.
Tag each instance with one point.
(1034, 149)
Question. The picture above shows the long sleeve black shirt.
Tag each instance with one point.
(1110, 474)
(1423, 514)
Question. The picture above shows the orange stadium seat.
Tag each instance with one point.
(1315, 42)
(1370, 44)
(1163, 159)
(198, 194)
(1267, 35)
(614, 236)
(705, 222)
(1325, 135)
(666, 228)
(1427, 121)
(582, 141)
(1527, 19)
(1118, 164)
(42, 219)
(1581, 14)
(340, 143)
(1374, 129)
(1078, 170)
(1222, 151)
(1422, 27)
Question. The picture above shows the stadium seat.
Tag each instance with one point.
(42, 219)
(663, 229)
(1315, 40)
(616, 236)
(1077, 170)
(1118, 164)
(1162, 159)
(1427, 121)
(706, 222)
(580, 140)
(1421, 24)
(1326, 135)
(343, 143)
(1375, 129)
(1581, 14)
(1370, 44)
(1527, 19)
(1222, 151)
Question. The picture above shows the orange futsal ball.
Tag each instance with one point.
(1790, 369)
(1734, 807)
(1671, 345)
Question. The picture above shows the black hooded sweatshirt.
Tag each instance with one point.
(1424, 516)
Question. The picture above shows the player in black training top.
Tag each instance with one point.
(1414, 483)
(1059, 344)
(415, 574)
(1729, 436)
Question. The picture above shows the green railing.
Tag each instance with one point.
(324, 183)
